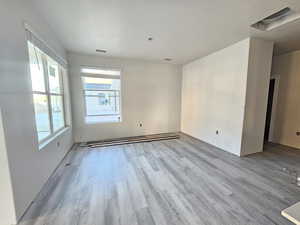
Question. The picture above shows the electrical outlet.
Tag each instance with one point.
(140, 124)
(217, 132)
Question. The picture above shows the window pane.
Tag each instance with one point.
(53, 74)
(102, 99)
(57, 112)
(41, 115)
(36, 68)
(102, 102)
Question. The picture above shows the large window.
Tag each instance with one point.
(48, 93)
(101, 92)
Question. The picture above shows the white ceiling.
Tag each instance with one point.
(182, 29)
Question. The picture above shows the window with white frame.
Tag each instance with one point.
(101, 92)
(48, 93)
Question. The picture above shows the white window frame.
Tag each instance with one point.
(105, 76)
(48, 95)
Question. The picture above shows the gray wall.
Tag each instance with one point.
(29, 167)
(150, 95)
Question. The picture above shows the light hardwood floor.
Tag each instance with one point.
(174, 182)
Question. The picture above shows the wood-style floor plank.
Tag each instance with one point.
(172, 182)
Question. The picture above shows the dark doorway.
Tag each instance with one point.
(269, 109)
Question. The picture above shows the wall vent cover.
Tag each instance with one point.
(277, 19)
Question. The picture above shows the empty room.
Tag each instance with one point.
(134, 112)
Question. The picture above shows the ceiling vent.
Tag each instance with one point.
(277, 19)
(101, 51)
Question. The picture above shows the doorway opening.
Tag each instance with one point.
(269, 109)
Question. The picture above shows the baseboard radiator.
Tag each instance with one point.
(131, 140)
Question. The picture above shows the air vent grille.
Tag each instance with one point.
(277, 19)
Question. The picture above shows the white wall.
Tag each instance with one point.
(258, 79)
(150, 95)
(29, 167)
(287, 119)
(7, 210)
(227, 92)
(213, 97)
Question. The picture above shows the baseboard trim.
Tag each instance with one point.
(131, 140)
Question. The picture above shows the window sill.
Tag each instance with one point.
(108, 122)
(102, 119)
(45, 143)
